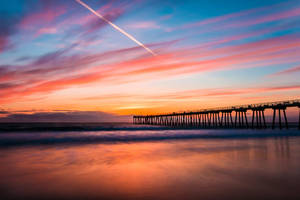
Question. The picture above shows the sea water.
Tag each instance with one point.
(123, 161)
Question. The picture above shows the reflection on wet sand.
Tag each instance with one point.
(175, 169)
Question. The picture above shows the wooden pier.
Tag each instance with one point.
(223, 117)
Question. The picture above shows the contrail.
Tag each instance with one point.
(116, 27)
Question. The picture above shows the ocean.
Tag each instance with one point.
(126, 161)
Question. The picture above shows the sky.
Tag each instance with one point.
(59, 58)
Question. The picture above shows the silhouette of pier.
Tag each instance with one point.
(224, 118)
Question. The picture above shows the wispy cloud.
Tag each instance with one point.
(170, 64)
(143, 25)
(288, 71)
(41, 17)
(61, 72)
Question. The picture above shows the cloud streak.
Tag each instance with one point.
(288, 71)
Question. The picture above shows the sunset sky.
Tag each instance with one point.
(57, 57)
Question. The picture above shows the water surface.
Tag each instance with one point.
(160, 164)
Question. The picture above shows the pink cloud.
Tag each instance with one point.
(224, 92)
(144, 25)
(88, 23)
(237, 20)
(3, 43)
(70, 66)
(166, 17)
(289, 71)
(44, 16)
(103, 10)
(226, 17)
(46, 30)
(198, 93)
(268, 18)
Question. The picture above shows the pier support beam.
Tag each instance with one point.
(299, 118)
(226, 117)
(258, 116)
(214, 119)
(241, 120)
(279, 108)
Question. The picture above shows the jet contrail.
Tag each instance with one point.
(116, 27)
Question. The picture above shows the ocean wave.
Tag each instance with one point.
(49, 138)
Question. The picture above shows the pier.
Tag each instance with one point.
(226, 117)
